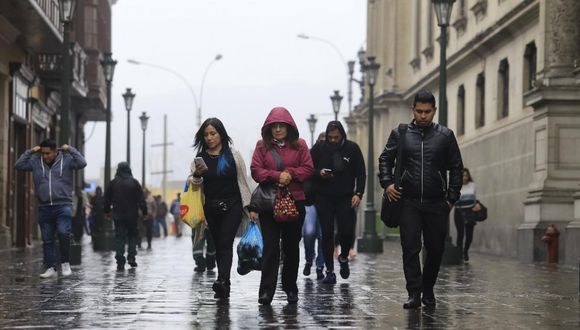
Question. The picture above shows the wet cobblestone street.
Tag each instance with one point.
(164, 292)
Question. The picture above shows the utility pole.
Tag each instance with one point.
(164, 171)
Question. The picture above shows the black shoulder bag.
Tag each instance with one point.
(263, 196)
(391, 210)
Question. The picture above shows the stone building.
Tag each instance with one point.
(513, 91)
(31, 42)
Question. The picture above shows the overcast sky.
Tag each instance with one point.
(264, 65)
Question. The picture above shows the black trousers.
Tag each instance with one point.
(290, 233)
(148, 224)
(125, 234)
(428, 220)
(330, 208)
(463, 230)
(223, 226)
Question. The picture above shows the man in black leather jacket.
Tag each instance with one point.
(430, 152)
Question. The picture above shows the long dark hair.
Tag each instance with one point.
(291, 136)
(226, 157)
(466, 170)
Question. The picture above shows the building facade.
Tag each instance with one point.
(513, 93)
(31, 48)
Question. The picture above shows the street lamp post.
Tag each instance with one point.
(144, 119)
(216, 58)
(370, 242)
(67, 9)
(105, 239)
(312, 126)
(128, 96)
(443, 8)
(336, 99)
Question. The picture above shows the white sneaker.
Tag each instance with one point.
(49, 272)
(66, 271)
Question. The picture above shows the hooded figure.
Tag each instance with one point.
(339, 178)
(280, 139)
(125, 195)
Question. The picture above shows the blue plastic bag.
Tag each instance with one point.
(250, 249)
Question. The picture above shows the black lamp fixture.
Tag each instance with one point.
(144, 119)
(370, 242)
(312, 126)
(443, 11)
(108, 65)
(336, 100)
(128, 96)
(66, 12)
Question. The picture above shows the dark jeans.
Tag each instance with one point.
(430, 221)
(311, 232)
(55, 219)
(160, 221)
(148, 224)
(463, 228)
(290, 233)
(223, 226)
(125, 234)
(330, 208)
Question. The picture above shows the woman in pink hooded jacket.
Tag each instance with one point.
(280, 135)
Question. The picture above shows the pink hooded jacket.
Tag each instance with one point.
(297, 162)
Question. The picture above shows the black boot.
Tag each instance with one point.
(413, 302)
(221, 289)
(209, 262)
(199, 264)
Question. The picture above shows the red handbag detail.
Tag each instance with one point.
(285, 209)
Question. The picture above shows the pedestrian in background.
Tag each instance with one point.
(464, 224)
(340, 178)
(52, 173)
(175, 211)
(280, 139)
(222, 173)
(149, 217)
(311, 231)
(160, 215)
(97, 215)
(429, 154)
(125, 196)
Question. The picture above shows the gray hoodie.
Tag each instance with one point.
(53, 184)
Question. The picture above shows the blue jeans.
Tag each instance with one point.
(311, 232)
(55, 219)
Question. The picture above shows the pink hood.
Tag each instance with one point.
(280, 115)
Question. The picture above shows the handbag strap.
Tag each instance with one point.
(399, 163)
(277, 159)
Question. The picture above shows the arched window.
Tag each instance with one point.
(460, 111)
(530, 58)
(503, 94)
(480, 101)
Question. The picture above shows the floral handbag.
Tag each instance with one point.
(285, 209)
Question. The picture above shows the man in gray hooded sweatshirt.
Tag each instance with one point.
(52, 172)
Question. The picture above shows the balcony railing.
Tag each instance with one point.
(51, 10)
(49, 67)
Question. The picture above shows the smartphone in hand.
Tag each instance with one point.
(200, 162)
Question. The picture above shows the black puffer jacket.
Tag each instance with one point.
(428, 153)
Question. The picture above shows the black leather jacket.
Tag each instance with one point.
(428, 153)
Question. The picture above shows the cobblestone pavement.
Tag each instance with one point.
(164, 292)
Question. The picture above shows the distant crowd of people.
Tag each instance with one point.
(326, 184)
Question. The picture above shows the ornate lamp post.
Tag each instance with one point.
(443, 11)
(105, 239)
(128, 96)
(144, 119)
(109, 71)
(443, 8)
(312, 126)
(67, 9)
(370, 242)
(336, 99)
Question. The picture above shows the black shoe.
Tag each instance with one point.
(429, 300)
(330, 278)
(221, 289)
(292, 297)
(120, 267)
(199, 269)
(265, 299)
(132, 263)
(465, 256)
(344, 269)
(319, 273)
(209, 263)
(306, 270)
(413, 302)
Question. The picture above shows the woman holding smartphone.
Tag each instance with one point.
(280, 139)
(222, 173)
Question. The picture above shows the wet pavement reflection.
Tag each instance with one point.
(165, 292)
